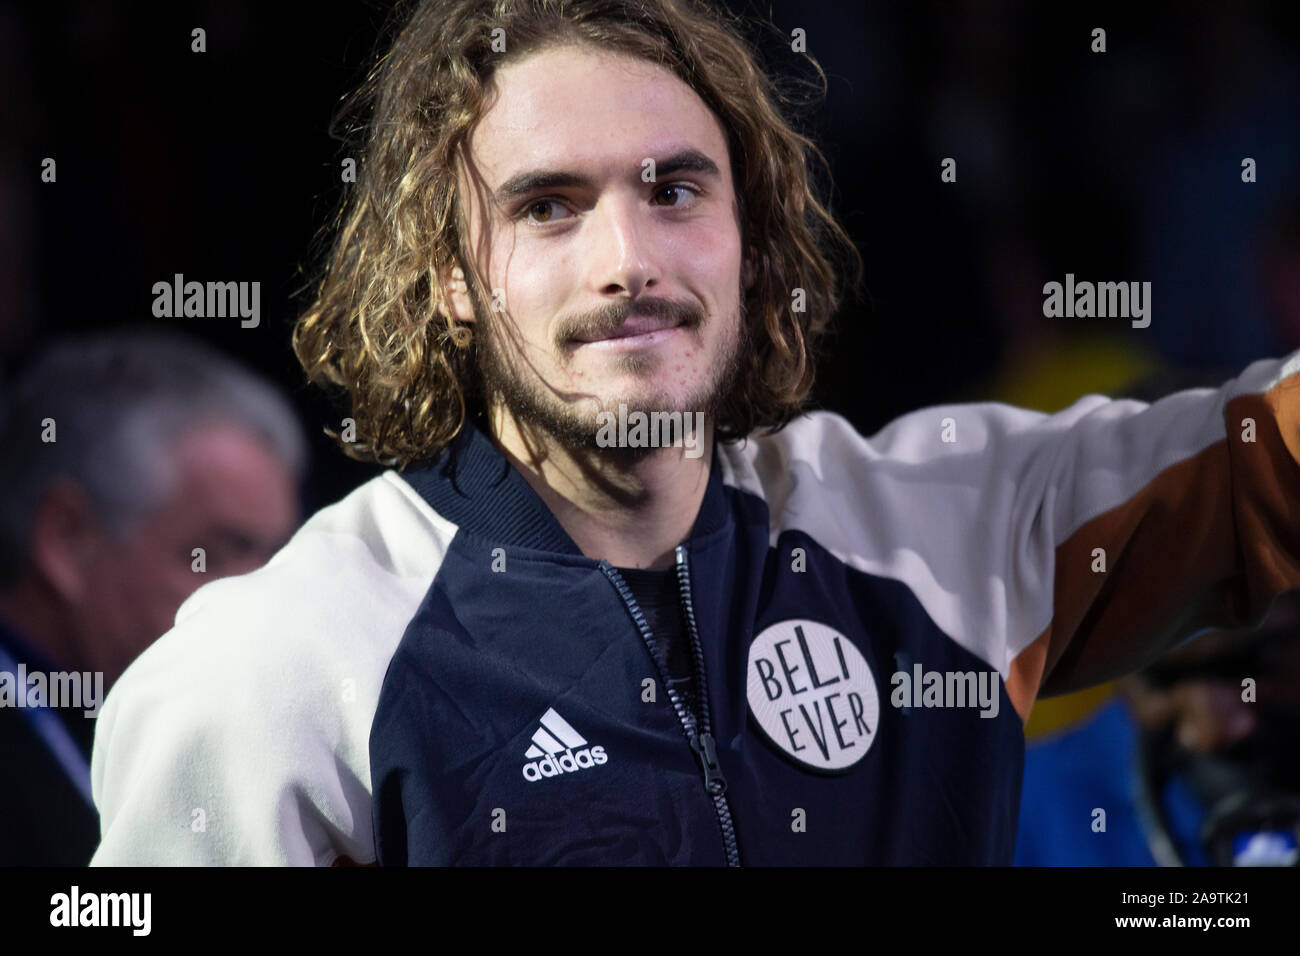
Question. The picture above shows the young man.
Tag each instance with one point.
(545, 637)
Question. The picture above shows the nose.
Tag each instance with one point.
(620, 250)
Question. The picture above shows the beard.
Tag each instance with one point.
(569, 420)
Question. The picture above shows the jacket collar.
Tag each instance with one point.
(473, 485)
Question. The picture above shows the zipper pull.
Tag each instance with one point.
(705, 750)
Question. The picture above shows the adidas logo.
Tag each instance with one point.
(553, 751)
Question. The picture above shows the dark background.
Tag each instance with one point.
(1118, 166)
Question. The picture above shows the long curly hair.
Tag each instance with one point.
(379, 326)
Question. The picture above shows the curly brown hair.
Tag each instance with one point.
(379, 326)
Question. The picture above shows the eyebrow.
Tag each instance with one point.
(686, 160)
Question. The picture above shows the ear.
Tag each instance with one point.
(456, 293)
(66, 537)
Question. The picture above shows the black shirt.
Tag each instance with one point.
(658, 597)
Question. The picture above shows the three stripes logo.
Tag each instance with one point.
(557, 748)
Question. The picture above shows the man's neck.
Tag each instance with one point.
(37, 622)
(631, 512)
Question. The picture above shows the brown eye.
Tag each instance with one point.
(541, 212)
(681, 193)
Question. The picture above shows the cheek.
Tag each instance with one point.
(145, 573)
(117, 597)
(159, 590)
(536, 287)
(711, 259)
(719, 290)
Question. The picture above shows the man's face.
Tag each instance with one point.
(1196, 691)
(231, 496)
(580, 248)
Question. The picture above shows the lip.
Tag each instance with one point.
(625, 342)
(636, 331)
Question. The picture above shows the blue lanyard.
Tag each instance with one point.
(55, 736)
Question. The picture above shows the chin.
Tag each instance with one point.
(648, 401)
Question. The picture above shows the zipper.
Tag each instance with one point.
(706, 751)
(698, 734)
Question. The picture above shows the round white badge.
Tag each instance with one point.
(812, 692)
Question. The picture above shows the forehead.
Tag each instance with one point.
(226, 472)
(577, 108)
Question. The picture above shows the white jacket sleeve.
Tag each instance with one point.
(242, 735)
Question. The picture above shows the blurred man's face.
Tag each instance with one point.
(572, 247)
(232, 497)
(1205, 705)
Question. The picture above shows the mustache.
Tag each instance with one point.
(604, 321)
